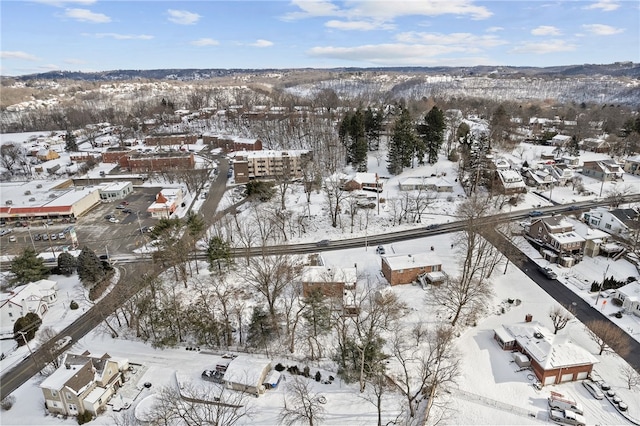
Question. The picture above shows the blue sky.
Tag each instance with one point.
(91, 35)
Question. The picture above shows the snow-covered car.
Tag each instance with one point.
(114, 220)
(380, 250)
(605, 386)
(593, 390)
(622, 406)
(60, 344)
(548, 272)
(566, 417)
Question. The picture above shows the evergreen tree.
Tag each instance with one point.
(359, 144)
(574, 147)
(261, 328)
(90, 269)
(28, 324)
(431, 135)
(71, 145)
(28, 267)
(500, 124)
(66, 263)
(218, 251)
(372, 128)
(317, 313)
(344, 137)
(401, 146)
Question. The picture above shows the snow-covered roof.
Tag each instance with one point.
(269, 153)
(550, 351)
(322, 274)
(62, 375)
(95, 395)
(411, 260)
(567, 237)
(631, 291)
(245, 370)
(114, 186)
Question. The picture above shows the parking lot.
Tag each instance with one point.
(92, 229)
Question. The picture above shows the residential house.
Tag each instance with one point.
(571, 161)
(554, 358)
(595, 145)
(604, 170)
(560, 140)
(510, 182)
(562, 175)
(83, 383)
(632, 165)
(405, 268)
(247, 374)
(364, 181)
(332, 282)
(539, 178)
(629, 295)
(47, 155)
(430, 183)
(35, 297)
(614, 221)
(556, 239)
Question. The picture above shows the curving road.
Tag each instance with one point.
(131, 266)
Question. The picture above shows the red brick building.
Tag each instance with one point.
(405, 268)
(157, 161)
(232, 143)
(332, 282)
(554, 359)
(172, 139)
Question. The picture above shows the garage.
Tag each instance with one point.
(550, 380)
(566, 378)
(583, 375)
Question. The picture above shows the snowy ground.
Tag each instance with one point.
(489, 390)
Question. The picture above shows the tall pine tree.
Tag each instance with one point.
(70, 145)
(90, 269)
(28, 267)
(402, 144)
(431, 135)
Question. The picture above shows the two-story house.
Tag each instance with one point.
(34, 297)
(614, 221)
(510, 182)
(632, 165)
(604, 170)
(83, 383)
(331, 281)
(556, 239)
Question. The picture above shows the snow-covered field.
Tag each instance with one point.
(489, 390)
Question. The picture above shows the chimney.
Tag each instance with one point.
(528, 318)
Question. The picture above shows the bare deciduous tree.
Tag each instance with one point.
(302, 405)
(560, 317)
(630, 376)
(608, 337)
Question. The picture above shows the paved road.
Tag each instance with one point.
(564, 296)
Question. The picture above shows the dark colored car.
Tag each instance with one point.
(535, 213)
(323, 243)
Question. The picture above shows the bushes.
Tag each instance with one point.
(73, 305)
(609, 283)
(279, 367)
(8, 402)
(85, 417)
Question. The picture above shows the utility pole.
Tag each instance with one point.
(604, 277)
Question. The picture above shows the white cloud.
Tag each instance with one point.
(205, 42)
(543, 47)
(387, 10)
(61, 3)
(358, 25)
(465, 40)
(494, 29)
(124, 36)
(604, 5)
(6, 54)
(183, 17)
(85, 15)
(49, 67)
(384, 53)
(546, 30)
(602, 30)
(262, 43)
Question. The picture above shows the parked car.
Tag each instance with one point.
(548, 272)
(604, 385)
(535, 213)
(63, 342)
(45, 237)
(109, 216)
(124, 203)
(53, 237)
(120, 207)
(561, 403)
(61, 236)
(127, 211)
(13, 239)
(37, 237)
(593, 389)
(322, 243)
(380, 250)
(5, 232)
(567, 417)
(622, 406)
(113, 220)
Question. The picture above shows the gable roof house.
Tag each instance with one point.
(33, 297)
(510, 182)
(247, 374)
(332, 282)
(556, 240)
(405, 268)
(614, 221)
(539, 178)
(82, 383)
(562, 175)
(604, 170)
(364, 181)
(629, 295)
(632, 165)
(167, 201)
(554, 358)
(595, 145)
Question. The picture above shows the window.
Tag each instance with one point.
(54, 392)
(68, 395)
(73, 407)
(10, 314)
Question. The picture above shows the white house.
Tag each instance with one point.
(616, 221)
(34, 297)
(247, 374)
(167, 201)
(630, 297)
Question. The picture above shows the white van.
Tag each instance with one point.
(558, 403)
